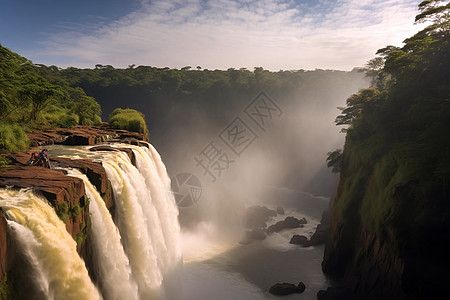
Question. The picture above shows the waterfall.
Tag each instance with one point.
(41, 237)
(147, 220)
(136, 253)
(111, 263)
(151, 167)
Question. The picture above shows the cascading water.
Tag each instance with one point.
(111, 263)
(146, 218)
(136, 256)
(143, 210)
(57, 270)
(151, 167)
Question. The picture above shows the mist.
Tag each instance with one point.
(288, 153)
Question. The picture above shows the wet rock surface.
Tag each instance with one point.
(288, 223)
(284, 289)
(257, 216)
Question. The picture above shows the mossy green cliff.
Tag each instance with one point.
(391, 215)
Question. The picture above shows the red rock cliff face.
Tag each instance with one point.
(369, 267)
(65, 193)
(55, 186)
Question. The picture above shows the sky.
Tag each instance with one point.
(212, 34)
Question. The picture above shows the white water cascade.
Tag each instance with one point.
(57, 270)
(147, 220)
(111, 263)
(136, 254)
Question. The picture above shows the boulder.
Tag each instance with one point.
(284, 289)
(319, 237)
(299, 240)
(257, 216)
(288, 223)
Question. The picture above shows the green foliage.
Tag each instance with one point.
(334, 160)
(13, 138)
(4, 161)
(57, 116)
(88, 110)
(62, 210)
(7, 290)
(76, 210)
(80, 238)
(128, 119)
(30, 95)
(357, 106)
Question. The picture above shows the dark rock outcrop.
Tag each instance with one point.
(322, 232)
(288, 223)
(320, 236)
(406, 261)
(299, 240)
(257, 216)
(284, 289)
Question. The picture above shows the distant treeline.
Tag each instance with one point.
(39, 96)
(162, 92)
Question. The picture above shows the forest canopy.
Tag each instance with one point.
(38, 96)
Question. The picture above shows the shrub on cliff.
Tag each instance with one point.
(13, 138)
(128, 119)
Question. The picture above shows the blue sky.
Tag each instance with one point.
(213, 34)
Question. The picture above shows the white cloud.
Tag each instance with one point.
(221, 34)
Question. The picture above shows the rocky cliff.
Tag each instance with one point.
(407, 258)
(65, 193)
(391, 216)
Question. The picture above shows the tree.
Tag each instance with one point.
(334, 160)
(436, 12)
(373, 69)
(39, 94)
(88, 110)
(356, 104)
